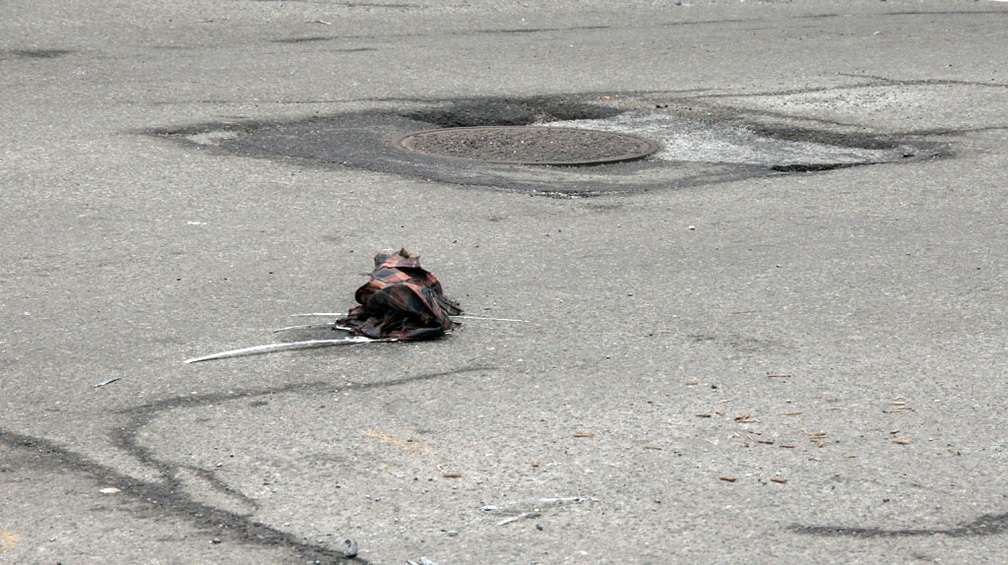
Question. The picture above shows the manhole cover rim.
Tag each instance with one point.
(647, 146)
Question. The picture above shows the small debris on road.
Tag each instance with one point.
(521, 516)
(487, 507)
(351, 550)
(421, 561)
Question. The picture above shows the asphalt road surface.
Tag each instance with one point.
(781, 338)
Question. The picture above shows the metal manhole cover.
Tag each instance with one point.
(529, 145)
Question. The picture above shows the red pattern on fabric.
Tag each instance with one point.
(402, 300)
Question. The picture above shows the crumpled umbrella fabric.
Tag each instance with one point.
(401, 301)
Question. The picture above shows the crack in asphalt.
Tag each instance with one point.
(986, 525)
(167, 497)
(169, 494)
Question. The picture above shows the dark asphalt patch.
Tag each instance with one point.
(492, 111)
(699, 143)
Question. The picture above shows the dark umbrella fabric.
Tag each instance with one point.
(401, 301)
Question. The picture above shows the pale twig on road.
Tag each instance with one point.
(289, 346)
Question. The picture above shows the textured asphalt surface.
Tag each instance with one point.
(740, 364)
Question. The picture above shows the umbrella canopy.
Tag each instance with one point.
(401, 301)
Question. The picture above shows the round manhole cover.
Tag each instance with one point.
(529, 145)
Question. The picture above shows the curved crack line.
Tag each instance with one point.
(888, 81)
(986, 525)
(169, 494)
(167, 497)
(193, 400)
(126, 439)
(220, 486)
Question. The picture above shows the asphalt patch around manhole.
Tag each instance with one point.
(675, 146)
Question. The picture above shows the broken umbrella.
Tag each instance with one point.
(402, 301)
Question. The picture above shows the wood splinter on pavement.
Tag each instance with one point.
(584, 434)
(420, 561)
(521, 516)
(536, 502)
(728, 479)
(286, 346)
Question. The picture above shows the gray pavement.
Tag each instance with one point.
(741, 363)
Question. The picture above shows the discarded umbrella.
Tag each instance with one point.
(401, 301)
